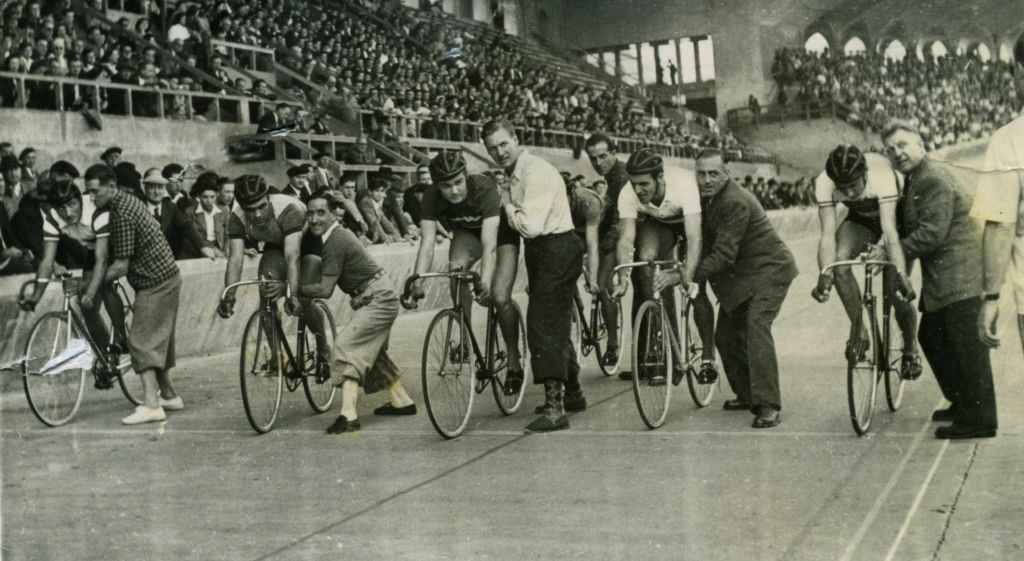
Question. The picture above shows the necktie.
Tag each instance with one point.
(156, 213)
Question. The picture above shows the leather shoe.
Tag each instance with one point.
(946, 414)
(736, 405)
(575, 401)
(626, 375)
(959, 432)
(767, 417)
(343, 425)
(544, 423)
(389, 409)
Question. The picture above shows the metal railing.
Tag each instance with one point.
(248, 57)
(51, 93)
(777, 113)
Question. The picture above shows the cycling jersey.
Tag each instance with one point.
(883, 184)
(287, 216)
(682, 198)
(482, 201)
(94, 223)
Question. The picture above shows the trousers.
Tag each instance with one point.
(554, 263)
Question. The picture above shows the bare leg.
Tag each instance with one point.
(151, 398)
(704, 318)
(501, 294)
(163, 379)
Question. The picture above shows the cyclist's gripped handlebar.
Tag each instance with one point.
(663, 264)
(261, 281)
(861, 262)
(409, 303)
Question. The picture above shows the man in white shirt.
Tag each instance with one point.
(999, 202)
(537, 207)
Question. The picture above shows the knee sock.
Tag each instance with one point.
(553, 398)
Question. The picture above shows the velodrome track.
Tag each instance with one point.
(705, 486)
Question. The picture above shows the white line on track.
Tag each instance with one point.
(851, 548)
(917, 503)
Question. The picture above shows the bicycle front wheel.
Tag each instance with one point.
(693, 351)
(507, 396)
(894, 382)
(260, 372)
(319, 392)
(862, 370)
(652, 364)
(53, 396)
(611, 369)
(448, 368)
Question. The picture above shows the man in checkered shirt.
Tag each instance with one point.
(141, 253)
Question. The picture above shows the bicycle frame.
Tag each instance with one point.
(275, 331)
(677, 349)
(872, 267)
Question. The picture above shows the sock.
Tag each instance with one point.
(349, 397)
(553, 398)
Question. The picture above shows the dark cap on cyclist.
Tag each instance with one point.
(447, 165)
(60, 192)
(845, 164)
(644, 161)
(250, 189)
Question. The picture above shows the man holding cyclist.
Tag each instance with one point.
(87, 231)
(537, 208)
(656, 208)
(278, 221)
(869, 187)
(469, 206)
(600, 149)
(359, 358)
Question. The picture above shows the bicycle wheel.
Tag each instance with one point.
(508, 402)
(693, 351)
(130, 383)
(319, 393)
(862, 371)
(894, 382)
(260, 372)
(447, 375)
(53, 397)
(611, 369)
(652, 363)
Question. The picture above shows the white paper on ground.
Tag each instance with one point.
(76, 355)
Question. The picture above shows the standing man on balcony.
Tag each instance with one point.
(537, 207)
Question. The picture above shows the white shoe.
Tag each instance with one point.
(144, 414)
(175, 404)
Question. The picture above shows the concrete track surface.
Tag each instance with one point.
(706, 486)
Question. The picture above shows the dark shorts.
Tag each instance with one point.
(872, 223)
(506, 235)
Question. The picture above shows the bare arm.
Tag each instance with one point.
(489, 243)
(827, 243)
(887, 213)
(627, 237)
(45, 270)
(236, 255)
(117, 269)
(425, 255)
(996, 247)
(692, 226)
(100, 268)
(292, 244)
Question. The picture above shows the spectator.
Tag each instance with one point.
(175, 176)
(379, 229)
(280, 117)
(298, 183)
(361, 153)
(177, 230)
(205, 216)
(11, 170)
(322, 176)
(111, 156)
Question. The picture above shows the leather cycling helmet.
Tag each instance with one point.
(845, 165)
(449, 164)
(250, 189)
(644, 161)
(60, 192)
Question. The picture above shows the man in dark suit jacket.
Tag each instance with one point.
(321, 176)
(298, 183)
(13, 260)
(175, 227)
(936, 228)
(281, 116)
(750, 270)
(206, 217)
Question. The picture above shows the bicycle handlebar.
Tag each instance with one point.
(457, 274)
(652, 263)
(287, 291)
(857, 262)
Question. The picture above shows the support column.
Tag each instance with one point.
(679, 65)
(639, 65)
(696, 59)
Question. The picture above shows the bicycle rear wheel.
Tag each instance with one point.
(611, 369)
(129, 382)
(53, 397)
(693, 352)
(508, 400)
(862, 370)
(260, 372)
(894, 382)
(447, 375)
(319, 392)
(652, 363)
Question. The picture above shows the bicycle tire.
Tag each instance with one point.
(449, 387)
(576, 333)
(510, 403)
(862, 371)
(260, 373)
(54, 398)
(895, 384)
(319, 393)
(693, 349)
(652, 365)
(129, 382)
(611, 370)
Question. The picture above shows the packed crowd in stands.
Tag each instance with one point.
(422, 67)
(951, 99)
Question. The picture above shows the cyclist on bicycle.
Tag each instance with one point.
(659, 206)
(588, 209)
(869, 187)
(468, 206)
(278, 221)
(86, 230)
(600, 149)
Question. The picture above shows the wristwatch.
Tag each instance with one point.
(991, 297)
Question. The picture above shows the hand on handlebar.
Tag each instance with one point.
(292, 306)
(666, 279)
(619, 287)
(823, 288)
(226, 308)
(482, 293)
(904, 288)
(27, 304)
(274, 290)
(410, 300)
